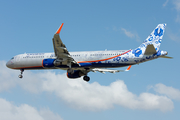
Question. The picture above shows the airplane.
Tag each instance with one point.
(80, 64)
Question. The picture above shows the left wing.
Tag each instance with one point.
(109, 70)
(60, 49)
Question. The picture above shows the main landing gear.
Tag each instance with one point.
(21, 76)
(86, 78)
(70, 71)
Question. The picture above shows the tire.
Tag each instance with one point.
(20, 76)
(86, 78)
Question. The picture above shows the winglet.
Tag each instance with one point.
(58, 31)
(128, 68)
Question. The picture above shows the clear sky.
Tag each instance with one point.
(150, 90)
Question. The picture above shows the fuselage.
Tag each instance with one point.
(90, 59)
(80, 64)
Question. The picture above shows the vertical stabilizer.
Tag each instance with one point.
(153, 41)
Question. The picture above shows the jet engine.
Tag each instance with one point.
(76, 74)
(48, 63)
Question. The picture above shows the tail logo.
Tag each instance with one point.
(151, 38)
(158, 32)
(137, 52)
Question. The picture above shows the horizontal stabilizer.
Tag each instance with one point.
(150, 50)
(166, 57)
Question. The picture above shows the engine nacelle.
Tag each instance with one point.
(76, 74)
(48, 63)
(85, 64)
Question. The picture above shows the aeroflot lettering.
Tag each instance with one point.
(52, 55)
(35, 54)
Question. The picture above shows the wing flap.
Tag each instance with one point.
(59, 48)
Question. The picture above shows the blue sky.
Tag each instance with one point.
(148, 91)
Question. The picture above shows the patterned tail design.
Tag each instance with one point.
(154, 38)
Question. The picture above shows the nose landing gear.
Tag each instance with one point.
(21, 76)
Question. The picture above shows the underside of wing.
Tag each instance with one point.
(109, 70)
(61, 51)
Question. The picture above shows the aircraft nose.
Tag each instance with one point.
(9, 64)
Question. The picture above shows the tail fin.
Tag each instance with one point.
(153, 41)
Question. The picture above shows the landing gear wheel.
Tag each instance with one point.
(20, 76)
(70, 71)
(86, 78)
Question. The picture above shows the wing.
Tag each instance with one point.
(61, 51)
(108, 70)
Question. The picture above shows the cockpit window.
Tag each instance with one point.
(12, 58)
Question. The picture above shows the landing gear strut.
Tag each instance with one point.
(70, 71)
(86, 78)
(21, 76)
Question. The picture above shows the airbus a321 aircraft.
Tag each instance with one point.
(80, 64)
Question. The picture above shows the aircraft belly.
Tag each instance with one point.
(108, 65)
(95, 65)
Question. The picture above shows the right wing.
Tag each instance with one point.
(61, 51)
(109, 70)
